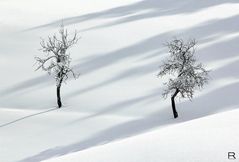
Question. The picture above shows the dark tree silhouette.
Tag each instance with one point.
(185, 74)
(57, 60)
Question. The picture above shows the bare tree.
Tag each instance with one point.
(57, 60)
(185, 74)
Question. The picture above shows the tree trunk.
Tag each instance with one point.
(58, 92)
(58, 89)
(175, 113)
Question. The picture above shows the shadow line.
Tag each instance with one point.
(126, 13)
(118, 132)
(28, 116)
(190, 111)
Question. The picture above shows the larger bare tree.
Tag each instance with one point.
(57, 60)
(185, 74)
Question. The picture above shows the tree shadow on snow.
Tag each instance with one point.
(140, 10)
(208, 104)
(142, 49)
(26, 85)
(204, 33)
(26, 117)
(211, 103)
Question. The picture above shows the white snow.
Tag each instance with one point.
(117, 99)
(206, 139)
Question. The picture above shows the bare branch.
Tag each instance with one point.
(57, 61)
(188, 74)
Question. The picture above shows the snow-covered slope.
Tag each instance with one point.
(118, 94)
(206, 139)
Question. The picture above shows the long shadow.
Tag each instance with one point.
(125, 20)
(225, 26)
(90, 66)
(122, 105)
(132, 72)
(151, 44)
(154, 8)
(141, 49)
(115, 133)
(221, 99)
(216, 102)
(153, 97)
(223, 50)
(28, 116)
(227, 71)
(25, 85)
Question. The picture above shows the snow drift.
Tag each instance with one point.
(118, 95)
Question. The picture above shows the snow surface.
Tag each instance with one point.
(117, 99)
(200, 140)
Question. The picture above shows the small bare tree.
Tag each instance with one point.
(185, 74)
(57, 60)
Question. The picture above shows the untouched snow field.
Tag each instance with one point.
(199, 140)
(114, 112)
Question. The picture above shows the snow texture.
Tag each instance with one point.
(117, 102)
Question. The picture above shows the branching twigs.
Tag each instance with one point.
(188, 75)
(57, 61)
